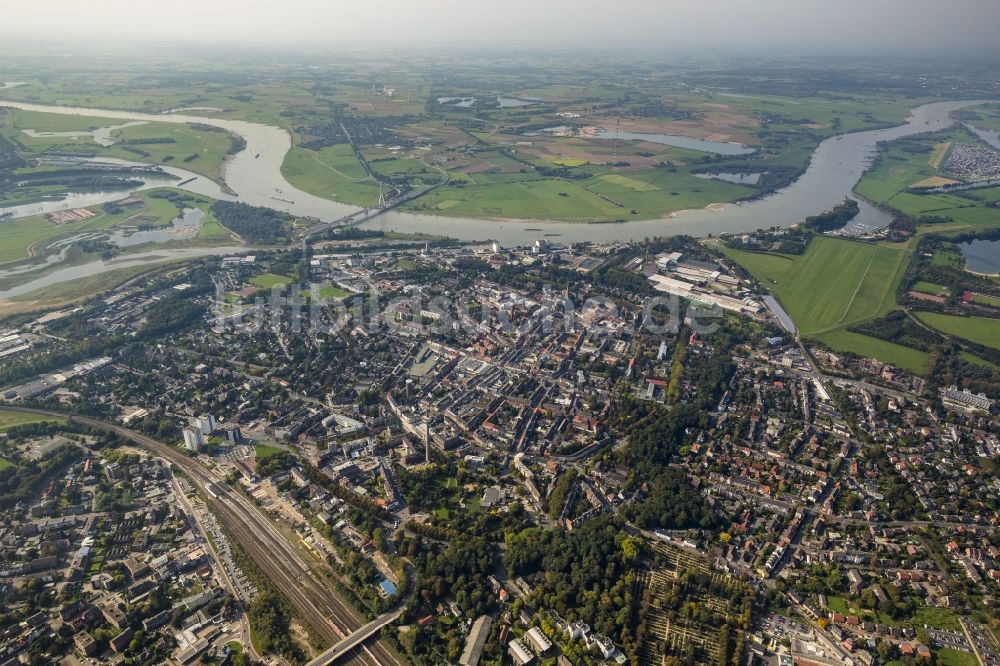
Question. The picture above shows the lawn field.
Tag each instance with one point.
(981, 330)
(4, 464)
(930, 288)
(331, 292)
(263, 451)
(911, 360)
(11, 419)
(986, 299)
(269, 281)
(332, 173)
(951, 657)
(834, 284)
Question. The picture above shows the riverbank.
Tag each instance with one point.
(836, 166)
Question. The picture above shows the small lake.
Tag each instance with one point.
(460, 102)
(678, 141)
(981, 256)
(514, 102)
(738, 178)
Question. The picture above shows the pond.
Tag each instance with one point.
(981, 256)
(738, 178)
(678, 141)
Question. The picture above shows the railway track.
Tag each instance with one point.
(270, 551)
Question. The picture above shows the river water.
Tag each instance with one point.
(835, 167)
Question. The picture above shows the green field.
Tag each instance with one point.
(333, 173)
(263, 451)
(330, 292)
(30, 236)
(930, 288)
(981, 330)
(640, 195)
(269, 281)
(199, 150)
(911, 360)
(4, 464)
(951, 657)
(11, 419)
(835, 283)
(986, 299)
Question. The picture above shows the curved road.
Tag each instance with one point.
(317, 604)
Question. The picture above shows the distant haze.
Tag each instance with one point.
(830, 26)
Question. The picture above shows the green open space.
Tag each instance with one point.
(196, 148)
(269, 281)
(264, 451)
(639, 195)
(333, 172)
(930, 288)
(330, 292)
(835, 283)
(63, 292)
(952, 657)
(911, 360)
(981, 330)
(4, 464)
(9, 419)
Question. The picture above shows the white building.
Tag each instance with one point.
(539, 640)
(193, 439)
(519, 653)
(206, 424)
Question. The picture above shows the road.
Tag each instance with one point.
(355, 639)
(330, 618)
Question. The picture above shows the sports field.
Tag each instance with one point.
(269, 281)
(981, 330)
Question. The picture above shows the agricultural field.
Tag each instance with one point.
(981, 330)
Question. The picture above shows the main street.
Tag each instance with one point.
(313, 600)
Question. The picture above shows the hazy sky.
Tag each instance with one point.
(823, 25)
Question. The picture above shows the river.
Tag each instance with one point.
(835, 167)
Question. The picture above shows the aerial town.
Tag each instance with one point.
(429, 453)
